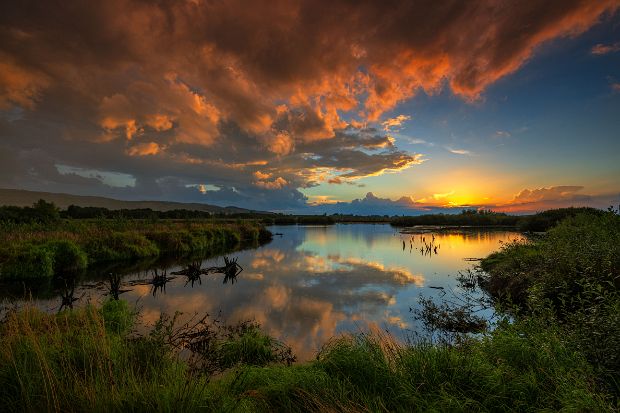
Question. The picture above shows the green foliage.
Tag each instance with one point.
(68, 256)
(571, 276)
(120, 246)
(30, 250)
(512, 268)
(73, 362)
(43, 260)
(543, 221)
(117, 315)
(178, 242)
(521, 367)
(246, 344)
(40, 212)
(31, 261)
(85, 360)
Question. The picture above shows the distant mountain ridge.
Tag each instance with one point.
(20, 197)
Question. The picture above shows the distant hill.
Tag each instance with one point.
(19, 197)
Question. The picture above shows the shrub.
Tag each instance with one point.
(31, 261)
(68, 256)
(120, 246)
(172, 241)
(570, 276)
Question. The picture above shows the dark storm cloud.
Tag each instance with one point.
(258, 98)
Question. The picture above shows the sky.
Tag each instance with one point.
(368, 107)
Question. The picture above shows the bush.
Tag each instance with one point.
(31, 261)
(121, 246)
(179, 242)
(543, 221)
(572, 277)
(68, 256)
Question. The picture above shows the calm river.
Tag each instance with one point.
(313, 282)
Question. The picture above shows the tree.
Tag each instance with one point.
(45, 211)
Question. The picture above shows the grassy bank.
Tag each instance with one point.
(88, 360)
(539, 222)
(571, 277)
(43, 249)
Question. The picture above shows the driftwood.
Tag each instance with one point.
(159, 281)
(114, 290)
(231, 270)
(192, 272)
(68, 297)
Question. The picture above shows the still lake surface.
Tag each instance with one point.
(313, 282)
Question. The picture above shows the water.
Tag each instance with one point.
(314, 282)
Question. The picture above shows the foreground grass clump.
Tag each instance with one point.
(77, 362)
(507, 371)
(572, 276)
(88, 360)
(41, 250)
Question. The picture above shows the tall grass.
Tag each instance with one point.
(88, 360)
(77, 362)
(572, 276)
(38, 250)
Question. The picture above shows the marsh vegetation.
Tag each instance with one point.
(42, 245)
(551, 344)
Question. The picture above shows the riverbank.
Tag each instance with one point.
(570, 277)
(42, 250)
(88, 360)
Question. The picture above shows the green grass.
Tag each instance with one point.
(572, 276)
(88, 360)
(39, 250)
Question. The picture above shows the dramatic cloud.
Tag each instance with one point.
(371, 205)
(546, 194)
(533, 200)
(526, 201)
(178, 94)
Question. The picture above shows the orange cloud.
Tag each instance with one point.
(143, 149)
(277, 183)
(280, 143)
(390, 123)
(19, 86)
(552, 193)
(276, 56)
(261, 175)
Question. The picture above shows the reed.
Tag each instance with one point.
(38, 250)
